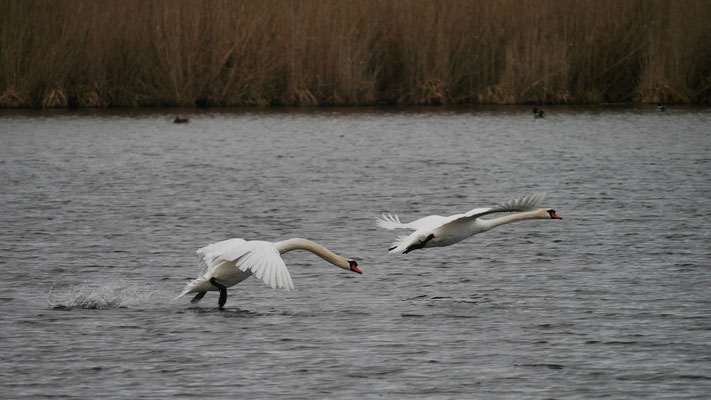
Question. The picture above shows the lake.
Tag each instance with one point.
(102, 212)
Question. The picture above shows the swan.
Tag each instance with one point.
(439, 231)
(229, 262)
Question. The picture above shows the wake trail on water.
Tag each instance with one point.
(110, 295)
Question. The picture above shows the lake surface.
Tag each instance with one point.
(101, 213)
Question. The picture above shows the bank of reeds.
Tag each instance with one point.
(89, 53)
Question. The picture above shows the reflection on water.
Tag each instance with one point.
(102, 211)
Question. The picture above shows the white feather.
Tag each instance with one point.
(389, 221)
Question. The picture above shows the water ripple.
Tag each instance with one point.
(101, 214)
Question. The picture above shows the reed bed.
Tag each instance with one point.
(87, 53)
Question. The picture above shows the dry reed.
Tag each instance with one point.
(86, 53)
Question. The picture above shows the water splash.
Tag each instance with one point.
(116, 294)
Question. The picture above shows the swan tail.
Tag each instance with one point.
(390, 222)
(207, 257)
(192, 287)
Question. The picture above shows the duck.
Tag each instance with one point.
(537, 113)
(179, 120)
(441, 231)
(229, 262)
(660, 107)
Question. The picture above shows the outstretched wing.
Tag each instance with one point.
(212, 255)
(390, 221)
(524, 203)
(265, 262)
(259, 257)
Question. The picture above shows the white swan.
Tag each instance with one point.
(231, 261)
(438, 231)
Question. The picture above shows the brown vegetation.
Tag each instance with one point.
(86, 53)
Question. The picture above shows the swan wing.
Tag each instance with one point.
(212, 255)
(265, 262)
(389, 221)
(524, 203)
(259, 257)
(423, 228)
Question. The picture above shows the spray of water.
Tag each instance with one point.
(115, 294)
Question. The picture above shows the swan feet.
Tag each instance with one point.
(420, 245)
(197, 297)
(223, 293)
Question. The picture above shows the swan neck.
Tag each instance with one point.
(493, 223)
(305, 244)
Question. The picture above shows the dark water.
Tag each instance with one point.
(101, 213)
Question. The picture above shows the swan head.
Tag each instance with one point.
(353, 266)
(544, 213)
(551, 214)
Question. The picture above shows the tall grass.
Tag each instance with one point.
(91, 53)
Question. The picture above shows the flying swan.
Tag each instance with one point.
(231, 261)
(438, 231)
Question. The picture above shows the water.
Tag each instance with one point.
(101, 213)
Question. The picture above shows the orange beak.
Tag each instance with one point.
(355, 269)
(556, 216)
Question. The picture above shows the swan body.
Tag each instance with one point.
(231, 261)
(440, 231)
